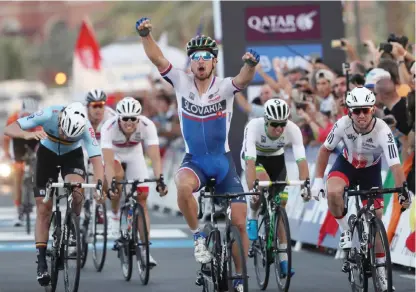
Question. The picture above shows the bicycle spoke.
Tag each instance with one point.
(260, 254)
(99, 229)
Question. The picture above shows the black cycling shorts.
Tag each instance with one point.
(274, 166)
(46, 166)
(19, 150)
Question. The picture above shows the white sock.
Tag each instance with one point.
(196, 230)
(283, 256)
(380, 260)
(343, 223)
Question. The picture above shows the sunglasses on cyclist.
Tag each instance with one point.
(97, 104)
(206, 56)
(278, 124)
(126, 119)
(358, 111)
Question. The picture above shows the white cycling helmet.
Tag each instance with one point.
(360, 97)
(30, 105)
(129, 107)
(74, 120)
(96, 95)
(276, 109)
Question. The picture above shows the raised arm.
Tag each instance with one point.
(251, 59)
(152, 50)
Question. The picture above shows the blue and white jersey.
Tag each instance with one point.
(205, 120)
(48, 118)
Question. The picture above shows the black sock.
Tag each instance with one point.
(41, 250)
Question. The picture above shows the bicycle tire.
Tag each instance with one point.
(26, 204)
(72, 221)
(356, 258)
(84, 238)
(214, 241)
(378, 226)
(142, 259)
(281, 214)
(99, 262)
(234, 235)
(124, 251)
(53, 255)
(261, 243)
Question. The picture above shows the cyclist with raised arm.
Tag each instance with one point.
(64, 127)
(121, 142)
(15, 150)
(205, 105)
(365, 138)
(263, 152)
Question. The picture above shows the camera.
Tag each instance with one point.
(386, 47)
(403, 40)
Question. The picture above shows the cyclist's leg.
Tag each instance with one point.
(339, 177)
(254, 204)
(229, 182)
(188, 179)
(18, 151)
(46, 163)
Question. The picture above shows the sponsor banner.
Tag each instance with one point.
(283, 23)
(294, 55)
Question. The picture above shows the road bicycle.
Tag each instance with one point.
(266, 249)
(94, 231)
(66, 242)
(134, 236)
(218, 274)
(27, 186)
(360, 262)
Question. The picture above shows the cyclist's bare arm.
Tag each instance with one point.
(303, 169)
(322, 161)
(98, 168)
(154, 53)
(14, 131)
(250, 172)
(108, 155)
(153, 152)
(245, 76)
(398, 174)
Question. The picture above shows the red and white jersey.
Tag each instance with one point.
(112, 136)
(364, 150)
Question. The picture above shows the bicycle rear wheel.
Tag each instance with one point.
(377, 227)
(85, 233)
(72, 252)
(100, 232)
(261, 255)
(235, 240)
(124, 249)
(356, 258)
(141, 243)
(283, 281)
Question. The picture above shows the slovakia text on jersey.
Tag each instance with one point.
(205, 120)
(113, 138)
(48, 118)
(364, 150)
(257, 142)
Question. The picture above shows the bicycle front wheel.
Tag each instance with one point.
(234, 240)
(141, 243)
(52, 255)
(261, 253)
(99, 249)
(124, 244)
(27, 203)
(377, 228)
(282, 253)
(72, 253)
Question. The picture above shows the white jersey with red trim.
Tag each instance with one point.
(205, 120)
(108, 113)
(113, 138)
(364, 150)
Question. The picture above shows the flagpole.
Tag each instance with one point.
(216, 6)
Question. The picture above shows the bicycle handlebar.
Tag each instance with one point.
(70, 185)
(266, 183)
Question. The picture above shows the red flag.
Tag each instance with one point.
(87, 48)
(330, 226)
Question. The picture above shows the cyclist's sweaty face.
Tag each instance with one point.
(362, 117)
(96, 110)
(202, 64)
(276, 128)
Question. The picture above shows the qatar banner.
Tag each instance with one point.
(298, 22)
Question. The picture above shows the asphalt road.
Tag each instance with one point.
(176, 271)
